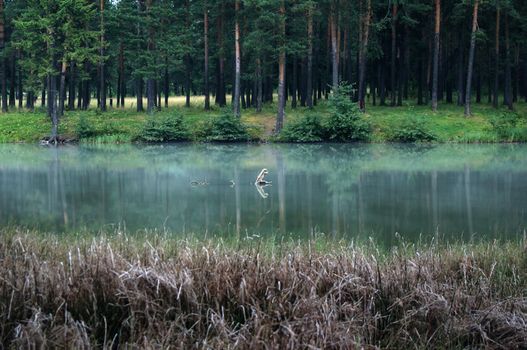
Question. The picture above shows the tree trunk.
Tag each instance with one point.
(460, 71)
(309, 74)
(71, 85)
(468, 93)
(236, 102)
(150, 83)
(206, 54)
(508, 74)
(334, 52)
(62, 87)
(259, 85)
(281, 73)
(394, 53)
(495, 100)
(139, 93)
(365, 29)
(436, 54)
(3, 59)
(101, 68)
(12, 101)
(294, 87)
(220, 89)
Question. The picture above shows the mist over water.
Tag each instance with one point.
(353, 191)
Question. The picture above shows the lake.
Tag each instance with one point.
(461, 192)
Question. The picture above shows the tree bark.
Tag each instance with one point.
(236, 102)
(71, 85)
(220, 89)
(259, 85)
(468, 93)
(495, 100)
(436, 53)
(281, 72)
(206, 54)
(101, 63)
(309, 74)
(334, 49)
(508, 75)
(393, 81)
(12, 87)
(3, 60)
(365, 29)
(62, 87)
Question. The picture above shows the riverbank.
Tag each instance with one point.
(153, 291)
(124, 125)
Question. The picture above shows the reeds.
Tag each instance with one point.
(118, 292)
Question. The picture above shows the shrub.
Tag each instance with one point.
(507, 127)
(227, 128)
(413, 129)
(85, 128)
(306, 129)
(345, 122)
(165, 129)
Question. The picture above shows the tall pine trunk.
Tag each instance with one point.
(62, 87)
(236, 101)
(281, 72)
(393, 80)
(468, 94)
(3, 59)
(436, 54)
(309, 73)
(102, 83)
(495, 100)
(206, 54)
(334, 48)
(12, 82)
(71, 85)
(508, 75)
(365, 29)
(220, 88)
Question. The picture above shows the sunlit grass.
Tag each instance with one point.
(448, 124)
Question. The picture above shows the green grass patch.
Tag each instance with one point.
(487, 125)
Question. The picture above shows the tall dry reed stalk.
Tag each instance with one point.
(110, 293)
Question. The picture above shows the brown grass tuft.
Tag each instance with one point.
(108, 293)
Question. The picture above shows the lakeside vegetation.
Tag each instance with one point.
(408, 123)
(151, 291)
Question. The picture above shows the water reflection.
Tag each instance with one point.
(342, 190)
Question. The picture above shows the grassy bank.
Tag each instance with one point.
(155, 292)
(122, 125)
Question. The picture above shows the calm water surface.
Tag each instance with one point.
(459, 191)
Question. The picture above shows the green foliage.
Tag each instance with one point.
(84, 128)
(413, 129)
(509, 127)
(306, 129)
(227, 128)
(168, 128)
(346, 122)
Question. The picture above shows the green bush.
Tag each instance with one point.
(169, 128)
(85, 128)
(306, 129)
(346, 122)
(413, 129)
(227, 128)
(508, 127)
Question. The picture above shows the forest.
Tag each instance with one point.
(64, 54)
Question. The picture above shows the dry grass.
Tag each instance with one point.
(120, 292)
